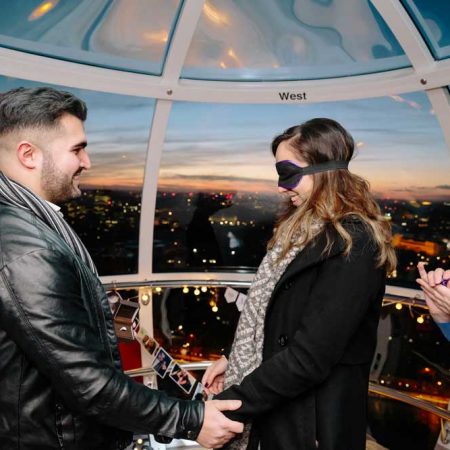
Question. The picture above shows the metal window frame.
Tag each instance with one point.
(426, 75)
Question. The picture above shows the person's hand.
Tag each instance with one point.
(217, 430)
(437, 295)
(214, 376)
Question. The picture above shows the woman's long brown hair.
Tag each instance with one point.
(335, 194)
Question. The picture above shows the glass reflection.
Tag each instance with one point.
(289, 40)
(118, 34)
(433, 21)
(398, 426)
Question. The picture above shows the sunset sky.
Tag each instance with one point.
(401, 150)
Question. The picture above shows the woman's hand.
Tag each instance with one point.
(437, 295)
(214, 376)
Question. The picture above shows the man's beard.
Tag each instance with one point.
(57, 186)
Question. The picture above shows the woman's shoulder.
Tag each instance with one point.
(355, 224)
(360, 232)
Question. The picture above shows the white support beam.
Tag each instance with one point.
(181, 41)
(179, 46)
(148, 202)
(406, 33)
(48, 70)
(440, 101)
(347, 88)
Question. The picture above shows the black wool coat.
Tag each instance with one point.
(320, 334)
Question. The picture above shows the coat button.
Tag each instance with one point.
(282, 340)
(288, 285)
(190, 435)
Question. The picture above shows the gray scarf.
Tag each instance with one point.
(247, 350)
(14, 194)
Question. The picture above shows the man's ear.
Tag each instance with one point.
(28, 154)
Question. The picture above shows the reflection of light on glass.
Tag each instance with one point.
(359, 144)
(400, 99)
(42, 9)
(157, 36)
(214, 15)
(233, 56)
(223, 65)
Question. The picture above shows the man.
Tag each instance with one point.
(61, 380)
(435, 285)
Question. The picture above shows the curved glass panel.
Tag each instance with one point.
(412, 357)
(117, 34)
(217, 195)
(432, 18)
(197, 324)
(290, 40)
(398, 426)
(107, 215)
(194, 324)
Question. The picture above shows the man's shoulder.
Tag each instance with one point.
(21, 232)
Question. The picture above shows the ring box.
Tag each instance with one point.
(125, 315)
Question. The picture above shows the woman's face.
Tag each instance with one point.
(301, 192)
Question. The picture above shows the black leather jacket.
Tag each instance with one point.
(61, 381)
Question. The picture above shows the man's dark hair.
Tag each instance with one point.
(37, 108)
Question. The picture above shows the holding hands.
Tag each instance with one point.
(214, 376)
(435, 285)
(217, 430)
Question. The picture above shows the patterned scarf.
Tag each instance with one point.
(247, 350)
(14, 194)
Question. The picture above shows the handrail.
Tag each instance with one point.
(384, 391)
(388, 298)
(409, 399)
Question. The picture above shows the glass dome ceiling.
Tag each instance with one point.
(273, 40)
(184, 97)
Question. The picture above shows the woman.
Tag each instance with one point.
(302, 351)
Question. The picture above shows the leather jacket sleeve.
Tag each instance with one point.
(346, 288)
(43, 311)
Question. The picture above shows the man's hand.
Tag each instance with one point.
(437, 295)
(217, 430)
(214, 376)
